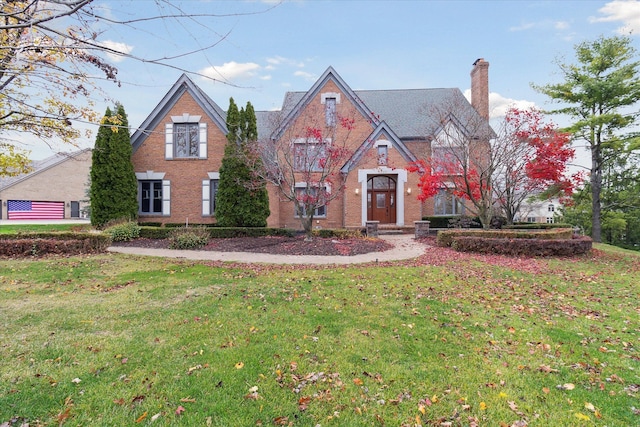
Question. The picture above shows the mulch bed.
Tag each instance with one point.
(278, 245)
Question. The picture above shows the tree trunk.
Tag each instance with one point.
(596, 188)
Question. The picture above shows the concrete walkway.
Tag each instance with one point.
(405, 247)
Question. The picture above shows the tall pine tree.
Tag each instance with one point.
(114, 188)
(242, 199)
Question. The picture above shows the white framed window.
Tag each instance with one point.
(330, 112)
(185, 138)
(383, 155)
(154, 193)
(445, 203)
(551, 207)
(209, 193)
(549, 220)
(309, 155)
(531, 219)
(311, 195)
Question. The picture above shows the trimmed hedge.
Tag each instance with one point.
(446, 237)
(60, 243)
(218, 232)
(529, 247)
(447, 221)
(536, 226)
(339, 234)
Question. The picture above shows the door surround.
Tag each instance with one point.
(400, 175)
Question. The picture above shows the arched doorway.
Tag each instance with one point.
(381, 199)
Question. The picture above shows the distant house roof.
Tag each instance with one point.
(39, 166)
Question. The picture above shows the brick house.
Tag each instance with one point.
(177, 151)
(56, 188)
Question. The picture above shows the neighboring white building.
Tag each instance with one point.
(54, 189)
(541, 211)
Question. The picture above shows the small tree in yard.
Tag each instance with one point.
(491, 171)
(114, 187)
(304, 163)
(242, 199)
(534, 156)
(461, 160)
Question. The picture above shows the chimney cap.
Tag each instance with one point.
(479, 60)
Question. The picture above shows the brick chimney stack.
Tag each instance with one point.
(480, 87)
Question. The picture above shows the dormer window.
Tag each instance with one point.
(330, 111)
(383, 155)
(330, 101)
(186, 138)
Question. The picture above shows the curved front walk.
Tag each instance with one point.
(405, 247)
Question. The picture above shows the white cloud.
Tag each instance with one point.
(124, 48)
(305, 75)
(625, 11)
(561, 25)
(523, 27)
(498, 104)
(231, 71)
(281, 60)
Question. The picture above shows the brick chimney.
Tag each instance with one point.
(480, 87)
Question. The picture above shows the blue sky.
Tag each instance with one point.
(262, 49)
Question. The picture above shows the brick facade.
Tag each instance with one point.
(367, 133)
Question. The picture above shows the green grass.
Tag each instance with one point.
(114, 339)
(25, 228)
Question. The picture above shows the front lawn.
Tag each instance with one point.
(448, 339)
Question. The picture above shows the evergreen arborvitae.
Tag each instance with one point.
(114, 188)
(242, 199)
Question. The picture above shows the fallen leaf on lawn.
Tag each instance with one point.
(503, 395)
(76, 380)
(281, 421)
(582, 416)
(155, 417)
(483, 406)
(357, 381)
(239, 365)
(118, 401)
(566, 386)
(545, 390)
(180, 410)
(141, 417)
(547, 369)
(187, 400)
(303, 402)
(422, 410)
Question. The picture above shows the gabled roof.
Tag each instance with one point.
(39, 166)
(182, 85)
(409, 112)
(381, 130)
(294, 105)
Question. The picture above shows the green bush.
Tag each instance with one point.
(188, 238)
(523, 247)
(123, 231)
(536, 226)
(446, 237)
(65, 243)
(337, 233)
(150, 232)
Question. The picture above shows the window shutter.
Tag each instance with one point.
(203, 140)
(206, 196)
(166, 197)
(168, 141)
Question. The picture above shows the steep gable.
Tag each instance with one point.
(381, 131)
(183, 85)
(295, 102)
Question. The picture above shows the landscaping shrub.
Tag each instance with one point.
(337, 233)
(149, 232)
(123, 231)
(445, 237)
(188, 238)
(536, 226)
(65, 243)
(520, 247)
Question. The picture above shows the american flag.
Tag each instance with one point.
(27, 209)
